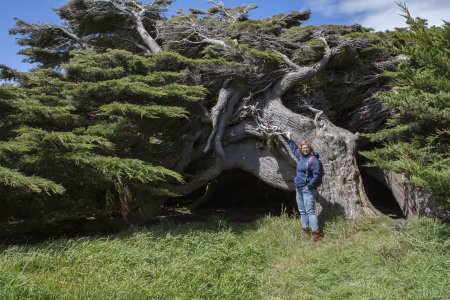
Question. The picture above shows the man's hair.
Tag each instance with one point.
(307, 143)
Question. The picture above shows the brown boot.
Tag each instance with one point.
(315, 236)
(306, 231)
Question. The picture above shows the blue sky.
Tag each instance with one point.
(379, 14)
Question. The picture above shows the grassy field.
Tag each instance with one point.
(266, 259)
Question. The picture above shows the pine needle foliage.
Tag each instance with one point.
(83, 132)
(14, 179)
(416, 139)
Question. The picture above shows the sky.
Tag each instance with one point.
(378, 14)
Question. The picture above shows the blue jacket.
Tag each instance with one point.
(305, 177)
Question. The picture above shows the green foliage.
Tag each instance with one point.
(83, 133)
(309, 27)
(268, 56)
(127, 90)
(250, 25)
(365, 34)
(111, 130)
(416, 139)
(7, 73)
(219, 259)
(87, 24)
(315, 42)
(167, 61)
(91, 66)
(273, 24)
(426, 167)
(123, 169)
(142, 111)
(16, 180)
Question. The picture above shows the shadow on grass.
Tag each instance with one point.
(173, 221)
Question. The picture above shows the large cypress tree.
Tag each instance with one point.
(416, 139)
(102, 127)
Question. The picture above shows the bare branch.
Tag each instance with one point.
(231, 14)
(74, 37)
(136, 13)
(199, 180)
(226, 115)
(288, 61)
(292, 78)
(244, 129)
(217, 110)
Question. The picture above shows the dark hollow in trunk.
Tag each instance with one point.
(242, 197)
(381, 197)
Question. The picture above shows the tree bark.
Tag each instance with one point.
(412, 200)
(342, 187)
(257, 146)
(148, 40)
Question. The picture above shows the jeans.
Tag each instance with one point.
(306, 202)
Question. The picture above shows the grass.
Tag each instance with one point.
(266, 259)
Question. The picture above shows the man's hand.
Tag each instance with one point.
(289, 135)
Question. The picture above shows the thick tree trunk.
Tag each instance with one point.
(342, 185)
(259, 147)
(245, 149)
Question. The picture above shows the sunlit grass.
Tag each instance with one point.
(266, 259)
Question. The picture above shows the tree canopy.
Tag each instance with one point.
(416, 139)
(96, 130)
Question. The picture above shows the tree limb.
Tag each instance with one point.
(137, 16)
(73, 37)
(148, 40)
(226, 115)
(289, 62)
(199, 180)
(233, 15)
(240, 131)
(292, 78)
(187, 150)
(216, 111)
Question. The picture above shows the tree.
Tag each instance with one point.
(416, 140)
(96, 24)
(244, 83)
(95, 134)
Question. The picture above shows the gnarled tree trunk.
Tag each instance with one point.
(256, 144)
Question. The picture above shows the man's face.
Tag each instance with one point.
(305, 150)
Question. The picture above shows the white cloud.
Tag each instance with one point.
(381, 14)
